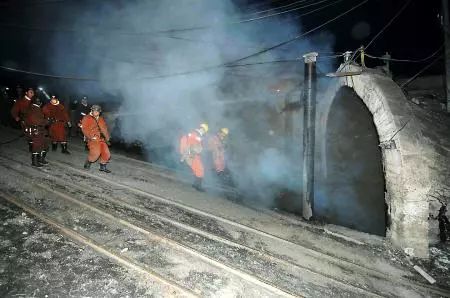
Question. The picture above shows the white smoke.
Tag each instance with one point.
(122, 43)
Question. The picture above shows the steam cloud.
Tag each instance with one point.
(121, 43)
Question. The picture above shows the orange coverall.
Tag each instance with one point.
(191, 153)
(215, 145)
(59, 117)
(96, 133)
(35, 128)
(20, 107)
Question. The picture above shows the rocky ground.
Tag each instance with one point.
(143, 232)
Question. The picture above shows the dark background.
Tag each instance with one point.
(415, 34)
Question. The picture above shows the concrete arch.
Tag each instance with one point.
(406, 158)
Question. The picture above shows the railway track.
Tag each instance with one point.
(348, 264)
(228, 246)
(59, 209)
(99, 248)
(362, 290)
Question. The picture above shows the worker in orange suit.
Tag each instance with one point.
(59, 119)
(18, 112)
(96, 132)
(191, 148)
(35, 123)
(216, 148)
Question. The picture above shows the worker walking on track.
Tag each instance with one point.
(96, 132)
(59, 119)
(35, 123)
(191, 148)
(19, 109)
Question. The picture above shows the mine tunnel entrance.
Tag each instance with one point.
(350, 191)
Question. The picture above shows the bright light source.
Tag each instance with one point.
(40, 88)
(6, 88)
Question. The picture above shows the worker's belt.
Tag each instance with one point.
(34, 129)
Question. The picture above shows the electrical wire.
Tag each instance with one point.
(279, 13)
(355, 55)
(420, 72)
(279, 7)
(208, 68)
(193, 28)
(157, 36)
(407, 60)
(389, 23)
(47, 75)
(161, 76)
(299, 36)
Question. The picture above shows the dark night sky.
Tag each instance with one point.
(414, 35)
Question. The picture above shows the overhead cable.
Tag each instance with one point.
(389, 23)
(47, 75)
(175, 30)
(208, 68)
(279, 7)
(420, 72)
(299, 36)
(407, 60)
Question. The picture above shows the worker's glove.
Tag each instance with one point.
(69, 124)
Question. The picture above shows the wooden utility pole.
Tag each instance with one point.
(309, 129)
(445, 25)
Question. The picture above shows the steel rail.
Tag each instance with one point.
(338, 261)
(177, 245)
(195, 230)
(83, 240)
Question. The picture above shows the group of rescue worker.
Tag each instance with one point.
(197, 148)
(47, 123)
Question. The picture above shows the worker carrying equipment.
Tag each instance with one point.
(96, 132)
(190, 149)
(216, 146)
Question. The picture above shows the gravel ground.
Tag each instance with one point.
(114, 280)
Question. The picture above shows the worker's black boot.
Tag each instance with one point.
(54, 146)
(42, 156)
(87, 165)
(64, 148)
(198, 184)
(103, 168)
(35, 160)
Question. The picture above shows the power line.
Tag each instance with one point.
(420, 72)
(47, 75)
(208, 68)
(193, 28)
(158, 36)
(279, 13)
(279, 7)
(407, 60)
(355, 53)
(158, 76)
(299, 36)
(389, 23)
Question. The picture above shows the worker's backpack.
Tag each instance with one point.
(183, 145)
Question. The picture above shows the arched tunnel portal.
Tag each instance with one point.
(408, 158)
(350, 190)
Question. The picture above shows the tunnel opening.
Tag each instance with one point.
(351, 190)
